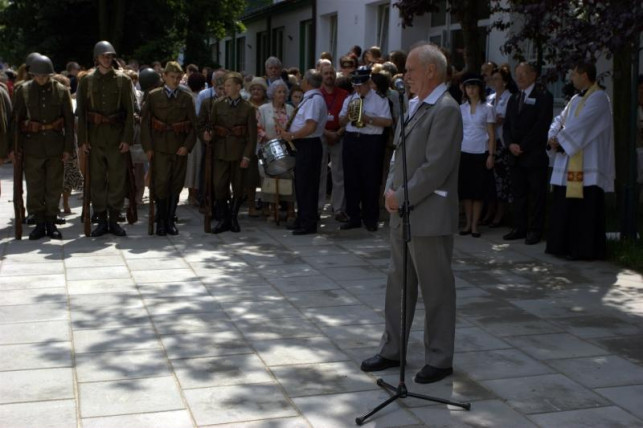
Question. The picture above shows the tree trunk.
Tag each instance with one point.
(103, 20)
(118, 25)
(468, 17)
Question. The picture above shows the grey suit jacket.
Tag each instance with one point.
(433, 141)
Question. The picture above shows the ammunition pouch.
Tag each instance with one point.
(33, 127)
(176, 127)
(100, 119)
(236, 131)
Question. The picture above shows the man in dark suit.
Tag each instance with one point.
(433, 136)
(529, 113)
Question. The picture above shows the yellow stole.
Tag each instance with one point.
(575, 167)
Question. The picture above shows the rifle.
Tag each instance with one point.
(18, 206)
(150, 219)
(86, 217)
(132, 212)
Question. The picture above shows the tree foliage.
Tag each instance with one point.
(147, 30)
(466, 12)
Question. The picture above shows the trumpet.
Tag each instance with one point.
(356, 112)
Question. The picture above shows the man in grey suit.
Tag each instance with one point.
(433, 138)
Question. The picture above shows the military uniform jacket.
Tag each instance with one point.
(221, 114)
(43, 104)
(108, 94)
(169, 111)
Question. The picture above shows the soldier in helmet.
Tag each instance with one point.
(44, 122)
(233, 134)
(168, 133)
(105, 109)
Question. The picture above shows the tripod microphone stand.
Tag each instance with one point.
(405, 210)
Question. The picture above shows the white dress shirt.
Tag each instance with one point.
(374, 106)
(312, 107)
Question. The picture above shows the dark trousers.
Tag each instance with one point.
(529, 183)
(169, 174)
(307, 169)
(577, 226)
(363, 156)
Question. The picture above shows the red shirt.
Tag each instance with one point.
(334, 102)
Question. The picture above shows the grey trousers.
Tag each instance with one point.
(429, 269)
(337, 199)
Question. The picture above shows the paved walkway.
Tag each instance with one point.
(263, 329)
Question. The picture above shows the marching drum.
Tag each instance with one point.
(275, 157)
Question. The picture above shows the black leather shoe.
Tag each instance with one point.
(101, 229)
(350, 225)
(377, 363)
(160, 229)
(39, 232)
(116, 229)
(304, 231)
(293, 226)
(513, 235)
(52, 231)
(532, 238)
(430, 374)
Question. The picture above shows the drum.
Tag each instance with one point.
(275, 157)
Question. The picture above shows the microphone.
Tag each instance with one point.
(399, 85)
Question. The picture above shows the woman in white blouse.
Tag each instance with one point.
(504, 86)
(273, 117)
(476, 157)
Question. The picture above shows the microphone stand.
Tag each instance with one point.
(405, 210)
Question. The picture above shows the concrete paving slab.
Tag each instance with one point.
(220, 371)
(499, 364)
(343, 315)
(266, 423)
(21, 282)
(99, 285)
(41, 414)
(118, 365)
(205, 344)
(34, 332)
(256, 329)
(321, 298)
(324, 378)
(627, 397)
(309, 283)
(36, 385)
(585, 418)
(544, 394)
(488, 413)
(129, 397)
(354, 336)
(33, 312)
(306, 350)
(34, 296)
(190, 322)
(35, 356)
(600, 371)
(554, 346)
(171, 419)
(115, 339)
(238, 403)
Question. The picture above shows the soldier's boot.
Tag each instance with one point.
(52, 230)
(171, 218)
(102, 227)
(234, 220)
(114, 227)
(223, 224)
(38, 232)
(161, 217)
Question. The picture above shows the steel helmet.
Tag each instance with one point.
(30, 58)
(103, 47)
(41, 64)
(148, 79)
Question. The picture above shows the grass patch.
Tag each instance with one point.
(627, 253)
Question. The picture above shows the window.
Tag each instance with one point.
(278, 43)
(306, 45)
(263, 51)
(332, 20)
(383, 11)
(241, 54)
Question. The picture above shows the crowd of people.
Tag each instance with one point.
(221, 134)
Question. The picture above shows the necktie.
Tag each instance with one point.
(521, 101)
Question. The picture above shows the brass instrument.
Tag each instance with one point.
(356, 112)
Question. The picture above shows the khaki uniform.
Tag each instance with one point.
(234, 130)
(167, 124)
(105, 109)
(44, 123)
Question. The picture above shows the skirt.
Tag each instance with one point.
(475, 181)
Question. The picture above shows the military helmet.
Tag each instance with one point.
(30, 58)
(103, 47)
(361, 75)
(41, 65)
(148, 78)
